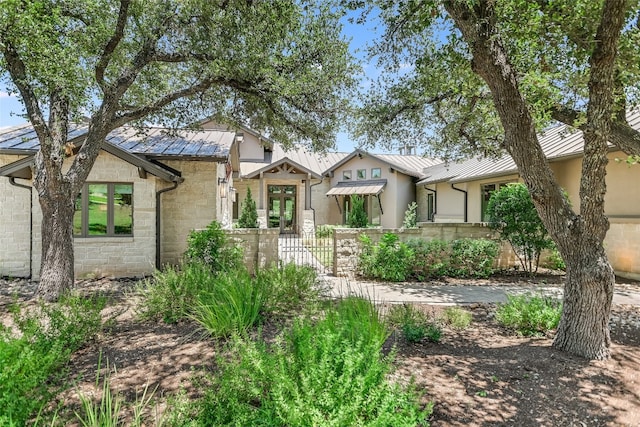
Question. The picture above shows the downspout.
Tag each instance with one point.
(158, 221)
(466, 196)
(12, 181)
(435, 202)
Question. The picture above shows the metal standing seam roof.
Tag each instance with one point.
(314, 162)
(150, 142)
(370, 187)
(557, 143)
(407, 164)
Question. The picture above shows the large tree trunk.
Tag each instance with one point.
(588, 292)
(56, 271)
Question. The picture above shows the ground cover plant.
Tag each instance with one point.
(530, 315)
(34, 354)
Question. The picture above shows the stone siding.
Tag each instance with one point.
(259, 246)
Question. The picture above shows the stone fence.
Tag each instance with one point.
(259, 245)
(346, 242)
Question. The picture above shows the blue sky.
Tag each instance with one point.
(11, 109)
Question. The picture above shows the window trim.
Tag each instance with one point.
(379, 173)
(84, 211)
(347, 175)
(364, 174)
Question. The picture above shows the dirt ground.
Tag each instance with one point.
(480, 376)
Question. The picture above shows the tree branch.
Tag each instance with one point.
(118, 34)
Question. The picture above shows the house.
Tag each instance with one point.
(147, 190)
(459, 192)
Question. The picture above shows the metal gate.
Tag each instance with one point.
(305, 248)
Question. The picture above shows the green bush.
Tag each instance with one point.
(211, 248)
(411, 216)
(388, 260)
(555, 260)
(32, 361)
(358, 215)
(291, 289)
(456, 317)
(171, 294)
(473, 257)
(324, 231)
(232, 304)
(249, 216)
(431, 258)
(513, 214)
(530, 315)
(319, 374)
(414, 324)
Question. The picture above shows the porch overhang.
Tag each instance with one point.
(362, 188)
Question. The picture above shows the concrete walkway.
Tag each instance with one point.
(454, 294)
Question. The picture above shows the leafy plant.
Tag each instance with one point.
(388, 260)
(414, 323)
(432, 258)
(249, 215)
(358, 215)
(411, 216)
(324, 231)
(171, 294)
(473, 257)
(512, 213)
(212, 248)
(231, 306)
(32, 360)
(290, 288)
(555, 260)
(530, 315)
(456, 317)
(321, 373)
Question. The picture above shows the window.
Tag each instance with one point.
(104, 209)
(371, 207)
(346, 175)
(430, 206)
(487, 190)
(362, 174)
(376, 173)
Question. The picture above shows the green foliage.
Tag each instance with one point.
(172, 293)
(512, 213)
(473, 257)
(411, 216)
(388, 260)
(32, 360)
(530, 315)
(431, 258)
(414, 323)
(319, 374)
(231, 305)
(212, 248)
(324, 231)
(249, 215)
(555, 260)
(456, 317)
(358, 215)
(291, 289)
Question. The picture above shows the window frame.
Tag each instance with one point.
(347, 175)
(378, 175)
(361, 174)
(84, 210)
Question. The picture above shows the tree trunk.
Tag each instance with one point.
(56, 272)
(588, 293)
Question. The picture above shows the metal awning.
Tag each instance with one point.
(347, 188)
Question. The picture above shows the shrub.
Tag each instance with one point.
(410, 216)
(456, 317)
(211, 248)
(249, 215)
(171, 294)
(231, 305)
(473, 257)
(555, 260)
(388, 260)
(512, 213)
(431, 258)
(414, 324)
(32, 361)
(290, 288)
(530, 315)
(319, 374)
(358, 215)
(324, 231)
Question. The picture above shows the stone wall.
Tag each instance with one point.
(259, 245)
(347, 245)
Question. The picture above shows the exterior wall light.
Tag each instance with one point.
(222, 188)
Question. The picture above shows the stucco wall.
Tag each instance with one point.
(15, 227)
(193, 205)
